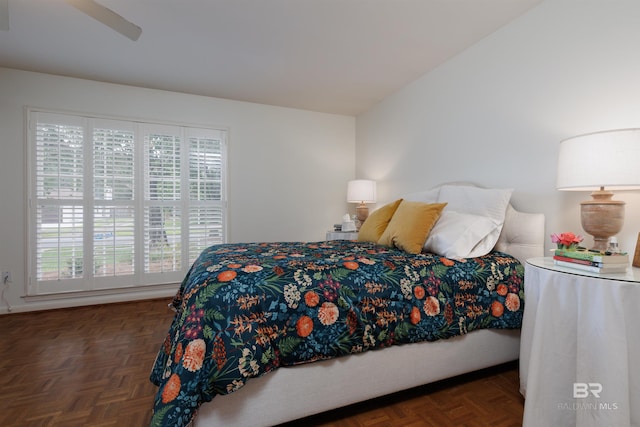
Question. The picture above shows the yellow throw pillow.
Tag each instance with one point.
(375, 224)
(410, 225)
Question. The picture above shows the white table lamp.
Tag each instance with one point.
(600, 162)
(361, 191)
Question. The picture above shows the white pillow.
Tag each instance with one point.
(458, 235)
(475, 226)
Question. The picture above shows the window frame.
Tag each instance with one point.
(140, 278)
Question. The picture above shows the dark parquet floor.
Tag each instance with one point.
(89, 366)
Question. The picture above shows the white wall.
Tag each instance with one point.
(495, 114)
(288, 168)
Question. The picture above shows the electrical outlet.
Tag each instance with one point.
(6, 277)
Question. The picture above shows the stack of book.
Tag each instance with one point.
(593, 261)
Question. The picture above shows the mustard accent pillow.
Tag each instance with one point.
(410, 225)
(375, 224)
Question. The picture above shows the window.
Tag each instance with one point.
(117, 203)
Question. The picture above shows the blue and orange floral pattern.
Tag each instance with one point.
(246, 309)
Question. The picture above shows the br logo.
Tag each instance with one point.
(582, 390)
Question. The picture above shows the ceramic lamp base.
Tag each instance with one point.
(362, 213)
(602, 218)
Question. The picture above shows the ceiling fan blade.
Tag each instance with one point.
(4, 15)
(107, 17)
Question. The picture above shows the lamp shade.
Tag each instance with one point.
(361, 191)
(609, 159)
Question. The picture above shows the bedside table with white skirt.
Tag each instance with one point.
(580, 347)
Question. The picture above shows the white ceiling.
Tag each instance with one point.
(336, 56)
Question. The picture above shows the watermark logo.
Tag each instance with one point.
(582, 390)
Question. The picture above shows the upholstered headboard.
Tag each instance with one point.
(522, 234)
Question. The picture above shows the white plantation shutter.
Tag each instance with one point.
(59, 166)
(114, 241)
(162, 199)
(162, 238)
(205, 229)
(206, 197)
(113, 198)
(205, 169)
(116, 203)
(59, 251)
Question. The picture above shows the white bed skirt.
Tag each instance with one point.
(295, 392)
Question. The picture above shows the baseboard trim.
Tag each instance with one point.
(78, 299)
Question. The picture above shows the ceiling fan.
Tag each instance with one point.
(92, 8)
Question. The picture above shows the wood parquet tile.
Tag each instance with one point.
(80, 366)
(485, 398)
(90, 366)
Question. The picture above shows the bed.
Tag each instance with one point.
(267, 333)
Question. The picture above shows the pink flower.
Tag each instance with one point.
(566, 239)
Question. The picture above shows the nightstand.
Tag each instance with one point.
(342, 235)
(580, 347)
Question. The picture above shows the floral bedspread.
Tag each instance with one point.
(246, 309)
